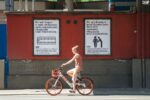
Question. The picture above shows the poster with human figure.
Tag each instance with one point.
(97, 36)
(46, 36)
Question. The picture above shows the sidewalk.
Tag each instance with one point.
(23, 92)
(109, 91)
(122, 91)
(32, 92)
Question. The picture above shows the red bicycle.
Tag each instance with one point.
(54, 86)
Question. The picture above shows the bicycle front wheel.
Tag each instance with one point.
(52, 87)
(85, 86)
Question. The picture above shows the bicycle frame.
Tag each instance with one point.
(53, 86)
(64, 78)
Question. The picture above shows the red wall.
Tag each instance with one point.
(146, 31)
(20, 35)
(143, 35)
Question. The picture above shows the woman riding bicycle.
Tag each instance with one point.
(78, 66)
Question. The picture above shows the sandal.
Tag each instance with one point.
(72, 91)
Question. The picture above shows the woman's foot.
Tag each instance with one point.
(72, 91)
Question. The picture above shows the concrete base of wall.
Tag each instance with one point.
(109, 73)
(141, 73)
(27, 82)
(147, 64)
(104, 73)
(2, 74)
(136, 73)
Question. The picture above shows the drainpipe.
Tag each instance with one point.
(111, 5)
(20, 5)
(68, 5)
(26, 5)
(33, 5)
(143, 9)
(140, 40)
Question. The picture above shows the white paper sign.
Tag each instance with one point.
(97, 36)
(46, 37)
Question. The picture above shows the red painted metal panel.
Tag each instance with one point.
(124, 36)
(20, 35)
(143, 35)
(147, 34)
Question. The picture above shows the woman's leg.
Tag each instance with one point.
(74, 78)
(73, 74)
(70, 72)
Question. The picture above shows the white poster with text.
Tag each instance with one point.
(97, 37)
(46, 37)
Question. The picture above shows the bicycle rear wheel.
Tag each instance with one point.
(85, 86)
(52, 87)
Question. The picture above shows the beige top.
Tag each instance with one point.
(78, 62)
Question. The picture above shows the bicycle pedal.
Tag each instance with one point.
(77, 81)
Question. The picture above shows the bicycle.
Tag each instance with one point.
(54, 86)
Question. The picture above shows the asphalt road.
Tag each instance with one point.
(74, 97)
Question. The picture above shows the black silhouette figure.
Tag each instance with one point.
(95, 41)
(101, 42)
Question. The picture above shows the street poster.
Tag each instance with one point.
(46, 36)
(97, 36)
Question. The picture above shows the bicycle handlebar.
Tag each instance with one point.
(60, 68)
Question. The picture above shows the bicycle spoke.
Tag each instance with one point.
(53, 89)
(85, 86)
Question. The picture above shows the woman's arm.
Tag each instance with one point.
(70, 61)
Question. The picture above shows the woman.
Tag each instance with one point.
(78, 66)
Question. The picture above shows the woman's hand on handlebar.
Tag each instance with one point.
(62, 65)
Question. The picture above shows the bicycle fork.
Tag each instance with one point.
(56, 81)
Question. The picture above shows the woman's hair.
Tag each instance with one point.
(75, 48)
